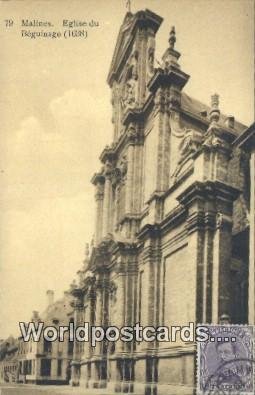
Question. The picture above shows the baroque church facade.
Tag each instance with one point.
(171, 241)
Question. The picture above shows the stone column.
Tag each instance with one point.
(207, 273)
(119, 319)
(99, 196)
(106, 204)
(221, 280)
(129, 180)
(96, 380)
(75, 364)
(99, 314)
(138, 178)
(163, 149)
(90, 315)
(252, 241)
(89, 303)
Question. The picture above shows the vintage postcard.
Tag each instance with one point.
(127, 171)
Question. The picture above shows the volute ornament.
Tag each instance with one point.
(189, 145)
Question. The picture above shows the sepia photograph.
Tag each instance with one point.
(127, 173)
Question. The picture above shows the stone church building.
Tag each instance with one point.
(171, 241)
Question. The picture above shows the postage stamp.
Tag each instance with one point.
(225, 362)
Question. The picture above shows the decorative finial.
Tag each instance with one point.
(128, 5)
(215, 100)
(215, 112)
(172, 38)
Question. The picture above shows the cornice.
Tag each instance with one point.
(108, 154)
(208, 189)
(173, 217)
(165, 78)
(149, 230)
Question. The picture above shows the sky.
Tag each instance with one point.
(56, 119)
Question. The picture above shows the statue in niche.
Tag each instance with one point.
(151, 61)
(123, 166)
(129, 98)
(130, 84)
(108, 167)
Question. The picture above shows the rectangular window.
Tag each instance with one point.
(45, 367)
(47, 346)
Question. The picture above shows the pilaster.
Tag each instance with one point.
(78, 318)
(209, 226)
(98, 180)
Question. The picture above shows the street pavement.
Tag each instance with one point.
(21, 389)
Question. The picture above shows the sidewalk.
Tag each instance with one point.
(31, 389)
(68, 390)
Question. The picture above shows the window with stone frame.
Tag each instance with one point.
(45, 367)
(47, 346)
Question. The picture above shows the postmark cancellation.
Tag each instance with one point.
(225, 362)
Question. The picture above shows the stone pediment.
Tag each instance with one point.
(126, 36)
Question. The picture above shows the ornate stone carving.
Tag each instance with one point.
(159, 100)
(219, 220)
(222, 220)
(133, 134)
(128, 99)
(215, 112)
(131, 131)
(89, 277)
(174, 99)
(112, 287)
(129, 94)
(123, 166)
(189, 145)
(151, 55)
(116, 176)
(108, 167)
(214, 137)
(171, 56)
(172, 38)
(134, 64)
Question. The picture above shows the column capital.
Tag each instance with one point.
(98, 178)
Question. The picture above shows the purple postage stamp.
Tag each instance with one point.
(225, 362)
